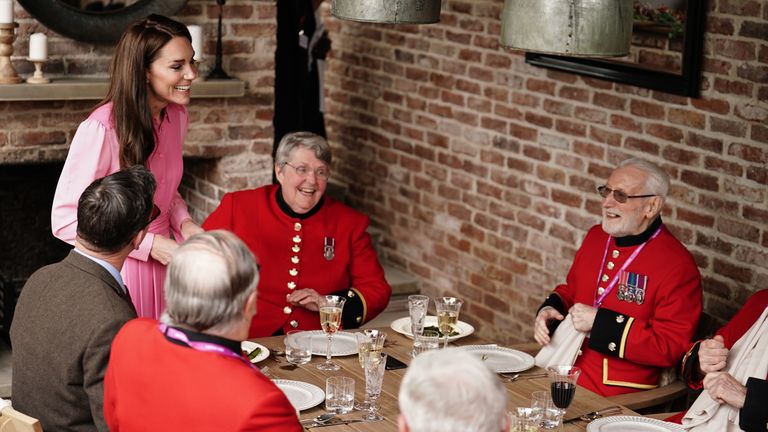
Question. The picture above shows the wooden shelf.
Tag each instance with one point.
(96, 89)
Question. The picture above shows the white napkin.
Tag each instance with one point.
(746, 359)
(4, 404)
(563, 347)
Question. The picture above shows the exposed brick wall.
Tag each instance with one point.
(481, 169)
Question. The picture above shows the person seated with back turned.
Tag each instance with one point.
(451, 390)
(307, 245)
(187, 372)
(632, 284)
(732, 367)
(69, 312)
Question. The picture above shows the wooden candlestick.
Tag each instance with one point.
(38, 77)
(8, 74)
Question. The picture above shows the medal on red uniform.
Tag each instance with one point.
(632, 287)
(328, 245)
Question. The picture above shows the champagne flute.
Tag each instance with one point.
(330, 321)
(370, 342)
(374, 377)
(562, 384)
(447, 315)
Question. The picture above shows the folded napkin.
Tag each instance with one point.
(4, 404)
(563, 347)
(746, 359)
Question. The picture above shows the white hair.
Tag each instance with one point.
(658, 179)
(452, 390)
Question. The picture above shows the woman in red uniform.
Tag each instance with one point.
(307, 245)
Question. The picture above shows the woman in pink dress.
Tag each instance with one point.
(142, 121)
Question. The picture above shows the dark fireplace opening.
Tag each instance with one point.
(26, 241)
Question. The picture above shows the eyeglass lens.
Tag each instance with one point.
(618, 195)
(303, 171)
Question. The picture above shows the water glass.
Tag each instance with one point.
(417, 308)
(544, 412)
(374, 377)
(522, 420)
(339, 394)
(425, 342)
(298, 347)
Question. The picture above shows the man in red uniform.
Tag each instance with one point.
(188, 372)
(306, 244)
(632, 285)
(704, 366)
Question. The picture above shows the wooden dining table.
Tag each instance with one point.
(399, 346)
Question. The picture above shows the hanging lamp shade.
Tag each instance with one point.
(388, 11)
(589, 28)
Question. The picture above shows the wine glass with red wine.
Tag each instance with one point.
(562, 385)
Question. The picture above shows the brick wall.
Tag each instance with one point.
(482, 169)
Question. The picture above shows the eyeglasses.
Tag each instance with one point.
(619, 195)
(303, 172)
(155, 213)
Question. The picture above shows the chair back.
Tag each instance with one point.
(14, 421)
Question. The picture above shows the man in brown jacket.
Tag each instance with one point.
(69, 312)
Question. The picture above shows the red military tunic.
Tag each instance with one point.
(154, 384)
(753, 416)
(646, 322)
(292, 254)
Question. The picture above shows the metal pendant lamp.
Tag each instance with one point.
(388, 11)
(586, 28)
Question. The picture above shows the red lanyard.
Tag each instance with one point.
(626, 264)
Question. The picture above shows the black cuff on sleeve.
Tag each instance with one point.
(753, 415)
(690, 369)
(556, 302)
(607, 335)
(352, 315)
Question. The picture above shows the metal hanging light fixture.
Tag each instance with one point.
(388, 11)
(587, 28)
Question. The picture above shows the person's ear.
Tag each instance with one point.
(653, 207)
(280, 173)
(402, 425)
(249, 310)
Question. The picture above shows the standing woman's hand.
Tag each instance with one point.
(189, 228)
(162, 249)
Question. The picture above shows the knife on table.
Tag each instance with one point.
(588, 417)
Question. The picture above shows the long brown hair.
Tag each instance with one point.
(138, 47)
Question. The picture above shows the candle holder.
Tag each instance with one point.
(8, 74)
(38, 77)
(218, 70)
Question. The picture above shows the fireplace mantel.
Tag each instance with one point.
(95, 89)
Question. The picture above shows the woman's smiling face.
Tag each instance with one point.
(171, 74)
(302, 193)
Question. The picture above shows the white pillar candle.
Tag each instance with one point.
(197, 40)
(6, 11)
(38, 47)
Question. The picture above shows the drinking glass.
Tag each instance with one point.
(543, 411)
(330, 321)
(339, 394)
(298, 347)
(417, 308)
(370, 342)
(562, 384)
(427, 341)
(374, 376)
(447, 315)
(522, 420)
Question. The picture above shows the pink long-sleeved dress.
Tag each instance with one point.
(95, 153)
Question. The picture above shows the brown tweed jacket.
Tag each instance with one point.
(65, 320)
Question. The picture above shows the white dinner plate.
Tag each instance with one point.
(632, 424)
(300, 394)
(403, 326)
(249, 346)
(500, 359)
(342, 344)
